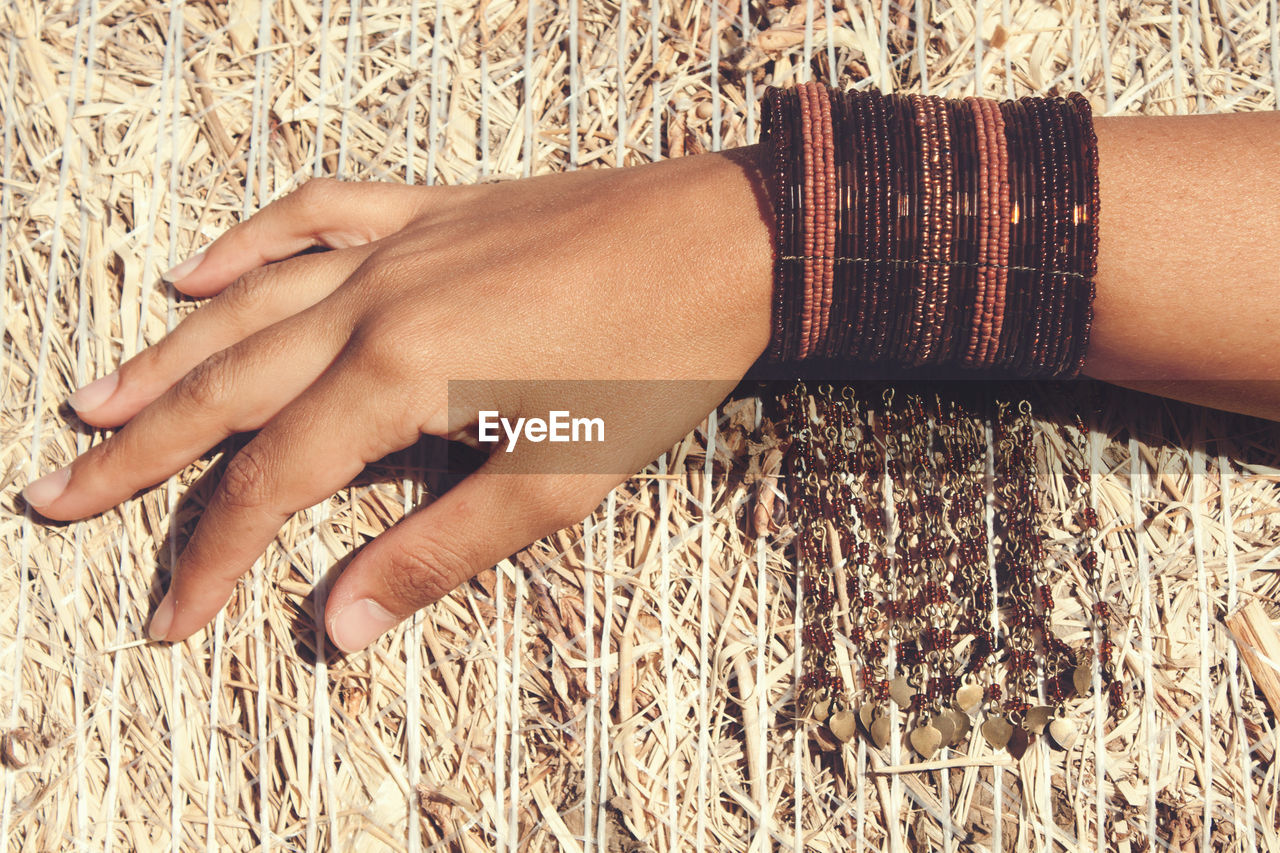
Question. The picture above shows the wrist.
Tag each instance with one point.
(693, 240)
(751, 230)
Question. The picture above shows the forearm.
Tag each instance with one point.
(1188, 283)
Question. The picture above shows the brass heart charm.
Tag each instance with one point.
(1062, 733)
(880, 732)
(843, 724)
(900, 691)
(946, 728)
(997, 731)
(820, 710)
(1037, 718)
(960, 725)
(969, 698)
(1082, 679)
(867, 715)
(826, 740)
(925, 740)
(1019, 741)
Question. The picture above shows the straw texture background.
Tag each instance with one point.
(624, 686)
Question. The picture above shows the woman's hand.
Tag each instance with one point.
(339, 358)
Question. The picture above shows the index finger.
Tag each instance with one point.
(313, 448)
(321, 212)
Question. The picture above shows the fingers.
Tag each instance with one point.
(488, 516)
(234, 390)
(255, 301)
(307, 452)
(322, 211)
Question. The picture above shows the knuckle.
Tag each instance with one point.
(434, 419)
(247, 295)
(383, 344)
(389, 267)
(377, 347)
(208, 384)
(109, 457)
(245, 481)
(306, 205)
(317, 191)
(442, 198)
(425, 571)
(147, 363)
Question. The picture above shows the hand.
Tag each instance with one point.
(338, 358)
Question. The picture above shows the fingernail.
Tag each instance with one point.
(161, 622)
(359, 624)
(183, 269)
(95, 393)
(45, 491)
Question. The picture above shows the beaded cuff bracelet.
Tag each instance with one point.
(921, 233)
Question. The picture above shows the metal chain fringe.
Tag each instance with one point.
(928, 561)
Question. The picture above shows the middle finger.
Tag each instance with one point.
(234, 390)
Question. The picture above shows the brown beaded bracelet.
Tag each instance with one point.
(1003, 229)
(1059, 257)
(772, 119)
(883, 277)
(925, 235)
(984, 284)
(869, 236)
(962, 272)
(845, 227)
(942, 331)
(1018, 290)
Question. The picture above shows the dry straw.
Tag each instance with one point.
(624, 685)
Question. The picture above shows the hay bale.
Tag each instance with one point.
(625, 684)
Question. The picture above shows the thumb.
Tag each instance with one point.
(490, 515)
